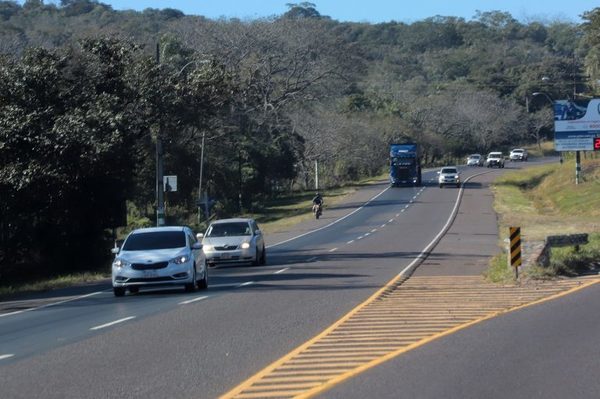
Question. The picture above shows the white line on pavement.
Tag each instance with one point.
(350, 242)
(281, 271)
(112, 323)
(247, 283)
(391, 220)
(367, 234)
(332, 250)
(402, 210)
(52, 304)
(2, 357)
(193, 300)
(406, 206)
(397, 214)
(373, 231)
(383, 225)
(311, 259)
(334, 222)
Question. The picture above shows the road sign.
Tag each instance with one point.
(515, 246)
(170, 184)
(596, 143)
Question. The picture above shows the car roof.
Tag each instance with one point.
(233, 220)
(475, 155)
(495, 152)
(449, 167)
(519, 149)
(158, 229)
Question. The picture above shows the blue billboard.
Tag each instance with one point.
(576, 124)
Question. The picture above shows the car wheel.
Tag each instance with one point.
(203, 284)
(189, 287)
(134, 290)
(263, 256)
(119, 291)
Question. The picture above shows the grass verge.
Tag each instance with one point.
(544, 200)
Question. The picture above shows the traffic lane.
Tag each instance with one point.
(473, 237)
(204, 349)
(43, 329)
(318, 293)
(544, 351)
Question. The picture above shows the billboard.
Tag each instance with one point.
(576, 124)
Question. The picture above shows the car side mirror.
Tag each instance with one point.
(438, 172)
(197, 245)
(199, 236)
(257, 232)
(115, 250)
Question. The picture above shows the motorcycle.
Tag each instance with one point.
(317, 210)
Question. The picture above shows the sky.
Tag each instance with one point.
(374, 11)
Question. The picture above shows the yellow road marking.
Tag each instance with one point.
(396, 319)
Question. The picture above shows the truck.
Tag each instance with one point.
(405, 165)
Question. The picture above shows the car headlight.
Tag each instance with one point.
(180, 259)
(456, 177)
(245, 245)
(208, 247)
(121, 263)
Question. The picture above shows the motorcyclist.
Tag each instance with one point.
(317, 202)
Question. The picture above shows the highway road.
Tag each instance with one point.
(167, 343)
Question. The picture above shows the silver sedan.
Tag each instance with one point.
(234, 241)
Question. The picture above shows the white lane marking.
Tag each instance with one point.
(367, 234)
(406, 206)
(350, 242)
(224, 285)
(436, 239)
(52, 304)
(193, 300)
(334, 222)
(112, 323)
(373, 231)
(397, 214)
(282, 270)
(247, 283)
(360, 237)
(2, 357)
(415, 197)
(411, 201)
(311, 259)
(391, 220)
(402, 210)
(383, 225)
(332, 250)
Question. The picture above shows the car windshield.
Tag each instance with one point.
(229, 229)
(155, 240)
(449, 170)
(475, 157)
(495, 155)
(517, 150)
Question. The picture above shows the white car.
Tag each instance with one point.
(518, 154)
(159, 256)
(449, 175)
(234, 241)
(495, 159)
(475, 160)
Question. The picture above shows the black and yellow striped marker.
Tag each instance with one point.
(515, 246)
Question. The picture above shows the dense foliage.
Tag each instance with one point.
(83, 100)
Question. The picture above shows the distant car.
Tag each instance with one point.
(495, 159)
(518, 154)
(234, 241)
(449, 175)
(159, 256)
(475, 160)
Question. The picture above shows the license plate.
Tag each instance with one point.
(225, 256)
(150, 273)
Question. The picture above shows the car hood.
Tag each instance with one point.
(494, 158)
(152, 256)
(223, 241)
(448, 174)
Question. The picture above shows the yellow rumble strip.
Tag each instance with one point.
(398, 318)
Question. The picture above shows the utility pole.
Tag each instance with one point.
(316, 175)
(200, 183)
(160, 197)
